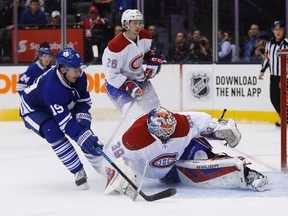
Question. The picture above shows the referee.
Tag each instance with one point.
(272, 60)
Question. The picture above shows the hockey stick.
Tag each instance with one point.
(161, 195)
(125, 114)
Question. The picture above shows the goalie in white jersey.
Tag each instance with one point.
(175, 147)
(122, 60)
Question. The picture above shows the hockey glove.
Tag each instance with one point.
(133, 89)
(153, 66)
(84, 119)
(89, 142)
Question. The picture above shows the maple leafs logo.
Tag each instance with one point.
(66, 53)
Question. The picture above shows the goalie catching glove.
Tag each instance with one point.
(153, 66)
(223, 130)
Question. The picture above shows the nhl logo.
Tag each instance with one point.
(199, 85)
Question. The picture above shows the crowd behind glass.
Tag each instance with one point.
(189, 42)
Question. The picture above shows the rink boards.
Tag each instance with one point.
(209, 88)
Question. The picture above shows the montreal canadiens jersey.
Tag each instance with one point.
(52, 95)
(28, 77)
(137, 145)
(123, 58)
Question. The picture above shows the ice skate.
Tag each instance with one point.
(257, 181)
(81, 179)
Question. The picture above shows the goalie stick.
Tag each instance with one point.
(150, 198)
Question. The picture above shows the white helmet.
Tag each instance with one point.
(128, 15)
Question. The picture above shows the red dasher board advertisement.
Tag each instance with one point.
(30, 39)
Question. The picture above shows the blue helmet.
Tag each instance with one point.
(161, 123)
(44, 50)
(69, 58)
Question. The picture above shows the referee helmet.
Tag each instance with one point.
(278, 24)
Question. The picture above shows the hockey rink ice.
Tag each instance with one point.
(33, 182)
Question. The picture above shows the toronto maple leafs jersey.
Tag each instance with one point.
(28, 77)
(123, 58)
(137, 145)
(51, 94)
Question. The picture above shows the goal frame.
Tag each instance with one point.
(283, 109)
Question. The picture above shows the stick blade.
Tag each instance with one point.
(161, 195)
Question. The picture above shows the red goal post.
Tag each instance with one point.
(284, 102)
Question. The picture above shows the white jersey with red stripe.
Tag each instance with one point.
(137, 145)
(123, 58)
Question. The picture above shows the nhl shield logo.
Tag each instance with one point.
(199, 85)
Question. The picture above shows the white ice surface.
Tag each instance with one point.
(34, 182)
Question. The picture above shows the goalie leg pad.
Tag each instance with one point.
(115, 182)
(224, 172)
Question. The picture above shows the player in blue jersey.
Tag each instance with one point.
(57, 105)
(35, 69)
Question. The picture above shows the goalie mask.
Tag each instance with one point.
(161, 123)
(129, 15)
(69, 58)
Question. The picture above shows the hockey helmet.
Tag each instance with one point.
(69, 58)
(161, 123)
(279, 23)
(129, 15)
(44, 50)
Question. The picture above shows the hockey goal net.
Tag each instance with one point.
(284, 105)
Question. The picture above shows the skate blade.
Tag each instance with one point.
(83, 186)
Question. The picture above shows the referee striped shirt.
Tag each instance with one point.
(272, 60)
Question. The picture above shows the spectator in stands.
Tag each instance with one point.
(6, 26)
(229, 37)
(156, 45)
(33, 16)
(192, 35)
(255, 35)
(41, 2)
(94, 27)
(55, 18)
(178, 53)
(200, 50)
(260, 49)
(118, 29)
(224, 48)
(196, 33)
